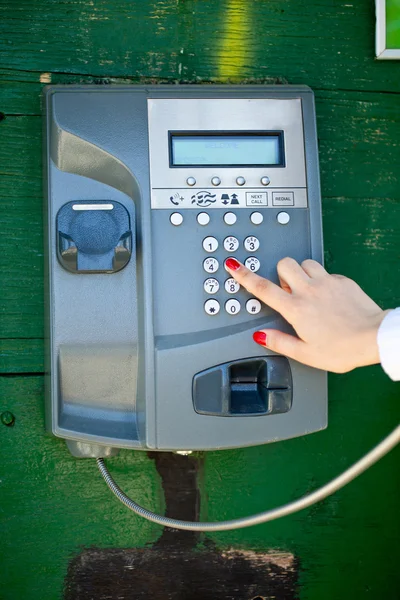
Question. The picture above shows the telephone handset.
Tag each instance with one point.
(149, 190)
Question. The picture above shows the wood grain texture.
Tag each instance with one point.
(55, 507)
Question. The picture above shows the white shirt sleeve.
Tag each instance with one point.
(389, 344)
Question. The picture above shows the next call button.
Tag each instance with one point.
(256, 198)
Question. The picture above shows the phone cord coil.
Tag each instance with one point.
(333, 486)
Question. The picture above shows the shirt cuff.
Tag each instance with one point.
(389, 344)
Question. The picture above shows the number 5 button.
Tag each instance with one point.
(251, 243)
(210, 244)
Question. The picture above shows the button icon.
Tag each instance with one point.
(210, 244)
(232, 306)
(253, 306)
(203, 198)
(191, 181)
(265, 180)
(232, 286)
(252, 263)
(176, 199)
(251, 243)
(211, 285)
(211, 265)
(257, 198)
(215, 180)
(240, 180)
(212, 306)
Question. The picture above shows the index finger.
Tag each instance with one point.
(262, 288)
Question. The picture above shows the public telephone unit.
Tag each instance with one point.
(149, 190)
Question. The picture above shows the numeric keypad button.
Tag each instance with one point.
(232, 306)
(253, 306)
(231, 244)
(212, 307)
(210, 244)
(252, 263)
(211, 285)
(210, 265)
(251, 243)
(232, 286)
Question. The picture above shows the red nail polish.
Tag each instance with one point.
(260, 337)
(232, 264)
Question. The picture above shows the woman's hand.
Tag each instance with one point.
(337, 323)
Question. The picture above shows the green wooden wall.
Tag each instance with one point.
(52, 506)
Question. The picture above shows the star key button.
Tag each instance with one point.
(212, 307)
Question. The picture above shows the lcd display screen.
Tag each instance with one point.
(227, 150)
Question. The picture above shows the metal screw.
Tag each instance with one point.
(7, 418)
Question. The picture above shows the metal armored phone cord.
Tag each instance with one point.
(333, 486)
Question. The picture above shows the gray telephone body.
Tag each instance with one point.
(149, 189)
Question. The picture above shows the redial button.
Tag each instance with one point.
(282, 198)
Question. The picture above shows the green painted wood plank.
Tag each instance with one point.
(52, 503)
(21, 355)
(325, 44)
(347, 545)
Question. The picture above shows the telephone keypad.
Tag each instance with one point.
(234, 246)
(211, 285)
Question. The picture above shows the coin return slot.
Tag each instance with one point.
(252, 386)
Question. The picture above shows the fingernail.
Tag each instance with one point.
(232, 264)
(260, 338)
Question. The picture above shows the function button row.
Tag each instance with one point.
(217, 180)
(230, 218)
(232, 306)
(231, 244)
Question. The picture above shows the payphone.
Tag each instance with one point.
(149, 189)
